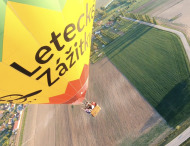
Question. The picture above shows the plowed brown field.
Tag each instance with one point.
(125, 115)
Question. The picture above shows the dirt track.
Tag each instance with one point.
(124, 116)
(180, 138)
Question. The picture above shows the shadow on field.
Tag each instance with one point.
(130, 38)
(176, 104)
(151, 122)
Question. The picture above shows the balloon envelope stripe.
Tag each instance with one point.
(76, 95)
(3, 4)
(56, 5)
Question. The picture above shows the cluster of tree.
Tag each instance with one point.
(115, 4)
(102, 8)
(154, 20)
(7, 115)
(95, 44)
(101, 40)
(100, 12)
(141, 17)
(117, 19)
(121, 2)
(109, 34)
(95, 24)
(5, 141)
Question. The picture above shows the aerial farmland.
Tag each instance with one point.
(139, 75)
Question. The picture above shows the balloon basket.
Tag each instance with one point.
(95, 110)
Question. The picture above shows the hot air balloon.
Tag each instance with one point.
(45, 50)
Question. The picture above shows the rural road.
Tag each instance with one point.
(180, 139)
(186, 134)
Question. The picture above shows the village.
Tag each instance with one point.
(10, 119)
(110, 26)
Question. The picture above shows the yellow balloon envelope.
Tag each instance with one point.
(44, 50)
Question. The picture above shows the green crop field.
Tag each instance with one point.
(155, 63)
